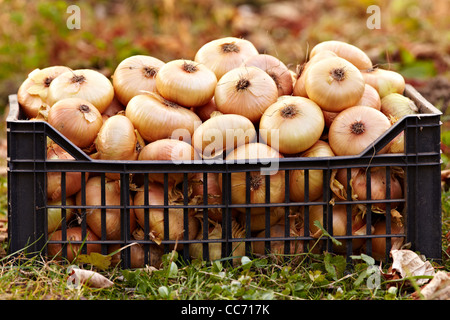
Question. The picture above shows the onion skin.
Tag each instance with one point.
(396, 106)
(204, 112)
(134, 75)
(355, 129)
(214, 192)
(384, 81)
(137, 253)
(379, 244)
(277, 247)
(258, 221)
(73, 234)
(54, 218)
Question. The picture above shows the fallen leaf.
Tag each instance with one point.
(90, 278)
(437, 289)
(408, 263)
(96, 259)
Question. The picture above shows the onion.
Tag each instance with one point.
(355, 129)
(379, 244)
(358, 185)
(346, 51)
(222, 133)
(274, 68)
(118, 140)
(112, 212)
(250, 152)
(86, 84)
(339, 225)
(185, 82)
(113, 109)
(224, 54)
(73, 179)
(384, 81)
(247, 91)
(168, 149)
(77, 119)
(137, 255)
(73, 249)
(205, 111)
(157, 118)
(277, 246)
(258, 221)
(297, 123)
(214, 192)
(395, 105)
(54, 215)
(33, 91)
(320, 149)
(134, 75)
(334, 84)
(156, 215)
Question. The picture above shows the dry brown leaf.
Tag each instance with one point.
(438, 288)
(408, 263)
(89, 278)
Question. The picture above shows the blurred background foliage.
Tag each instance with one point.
(414, 37)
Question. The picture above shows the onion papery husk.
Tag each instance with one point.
(54, 215)
(397, 106)
(113, 219)
(222, 133)
(320, 149)
(73, 179)
(156, 215)
(339, 221)
(250, 152)
(384, 81)
(214, 192)
(204, 112)
(358, 185)
(277, 250)
(55, 250)
(137, 254)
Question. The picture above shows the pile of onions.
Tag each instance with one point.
(134, 75)
(320, 149)
(73, 179)
(257, 181)
(355, 129)
(247, 91)
(77, 119)
(33, 92)
(222, 133)
(378, 184)
(73, 234)
(87, 84)
(156, 215)
(112, 212)
(274, 68)
(292, 124)
(157, 118)
(224, 54)
(185, 82)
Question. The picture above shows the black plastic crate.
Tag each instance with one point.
(28, 205)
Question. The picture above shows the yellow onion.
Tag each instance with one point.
(204, 112)
(54, 215)
(339, 225)
(114, 108)
(118, 140)
(320, 149)
(33, 91)
(215, 248)
(274, 68)
(173, 150)
(250, 152)
(113, 217)
(73, 179)
(358, 185)
(355, 129)
(258, 221)
(223, 54)
(292, 124)
(346, 51)
(214, 192)
(156, 215)
(334, 84)
(379, 244)
(247, 91)
(77, 119)
(137, 255)
(87, 84)
(73, 234)
(299, 86)
(384, 81)
(277, 246)
(222, 133)
(157, 118)
(185, 82)
(134, 75)
(397, 106)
